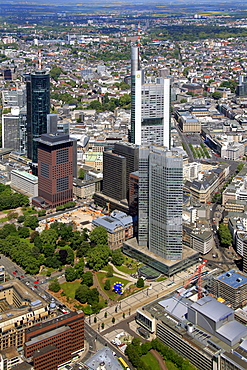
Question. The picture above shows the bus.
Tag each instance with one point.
(123, 363)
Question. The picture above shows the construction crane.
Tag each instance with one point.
(198, 274)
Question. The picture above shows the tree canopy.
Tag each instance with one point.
(225, 235)
(98, 236)
(70, 274)
(98, 257)
(117, 257)
(10, 200)
(54, 286)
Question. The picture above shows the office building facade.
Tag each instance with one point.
(230, 286)
(117, 167)
(150, 107)
(14, 130)
(55, 168)
(24, 182)
(131, 153)
(160, 202)
(56, 341)
(205, 331)
(38, 106)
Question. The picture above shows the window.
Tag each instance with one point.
(44, 170)
(62, 184)
(62, 156)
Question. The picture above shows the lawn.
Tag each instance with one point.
(29, 212)
(4, 219)
(161, 278)
(47, 270)
(170, 365)
(70, 288)
(102, 278)
(131, 290)
(8, 210)
(129, 267)
(151, 361)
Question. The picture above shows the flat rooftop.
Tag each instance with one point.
(28, 175)
(31, 301)
(233, 278)
(52, 321)
(46, 335)
(104, 355)
(186, 253)
(171, 311)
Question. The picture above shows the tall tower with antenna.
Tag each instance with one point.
(150, 105)
(40, 60)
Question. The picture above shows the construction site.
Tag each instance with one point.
(79, 218)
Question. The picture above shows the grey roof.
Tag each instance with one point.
(233, 331)
(104, 355)
(52, 139)
(110, 223)
(211, 308)
(243, 345)
(177, 306)
(47, 335)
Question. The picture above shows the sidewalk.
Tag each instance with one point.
(128, 306)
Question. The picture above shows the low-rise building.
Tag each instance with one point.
(84, 189)
(103, 358)
(235, 205)
(20, 308)
(9, 357)
(205, 331)
(233, 151)
(201, 240)
(237, 189)
(55, 342)
(94, 159)
(25, 182)
(188, 122)
(119, 228)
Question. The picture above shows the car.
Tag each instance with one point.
(36, 281)
(14, 273)
(36, 286)
(27, 283)
(22, 276)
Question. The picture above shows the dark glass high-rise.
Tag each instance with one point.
(38, 106)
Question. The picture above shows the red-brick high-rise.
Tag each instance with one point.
(56, 159)
(55, 342)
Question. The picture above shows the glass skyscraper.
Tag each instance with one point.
(38, 106)
(160, 202)
(150, 107)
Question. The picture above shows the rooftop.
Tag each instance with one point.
(53, 139)
(46, 335)
(211, 308)
(9, 353)
(28, 175)
(233, 278)
(104, 355)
